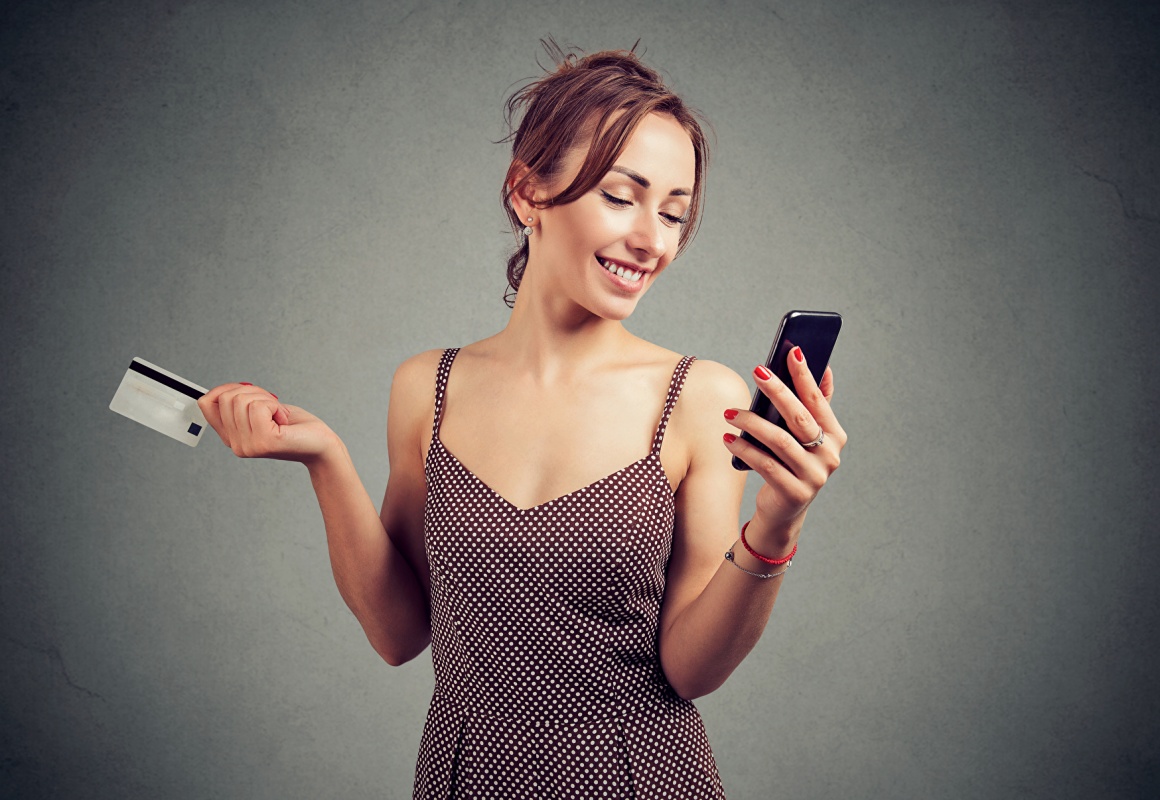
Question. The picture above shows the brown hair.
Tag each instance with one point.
(572, 103)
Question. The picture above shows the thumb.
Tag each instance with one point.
(291, 415)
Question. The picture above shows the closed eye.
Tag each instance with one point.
(620, 202)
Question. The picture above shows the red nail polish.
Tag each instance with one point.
(797, 353)
(729, 438)
(730, 413)
(245, 383)
(762, 373)
(275, 396)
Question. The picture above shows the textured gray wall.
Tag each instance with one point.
(302, 194)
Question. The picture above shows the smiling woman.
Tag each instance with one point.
(576, 122)
(555, 522)
(622, 232)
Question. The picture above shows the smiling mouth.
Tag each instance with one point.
(620, 270)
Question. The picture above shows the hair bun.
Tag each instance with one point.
(626, 61)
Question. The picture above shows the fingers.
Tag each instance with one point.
(827, 385)
(805, 415)
(208, 403)
(813, 400)
(254, 433)
(243, 415)
(797, 416)
(794, 472)
(789, 462)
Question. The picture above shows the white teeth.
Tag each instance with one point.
(623, 272)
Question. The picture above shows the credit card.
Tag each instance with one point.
(161, 400)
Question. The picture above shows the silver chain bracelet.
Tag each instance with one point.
(762, 575)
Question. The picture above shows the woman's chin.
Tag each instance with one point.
(613, 308)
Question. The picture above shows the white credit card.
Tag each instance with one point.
(161, 400)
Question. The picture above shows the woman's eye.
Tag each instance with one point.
(620, 202)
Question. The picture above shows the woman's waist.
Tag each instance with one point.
(550, 702)
(577, 650)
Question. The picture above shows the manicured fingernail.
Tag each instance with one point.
(797, 353)
(762, 373)
(730, 438)
(275, 396)
(245, 383)
(730, 413)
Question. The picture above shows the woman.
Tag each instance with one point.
(574, 605)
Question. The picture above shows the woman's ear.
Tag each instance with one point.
(522, 191)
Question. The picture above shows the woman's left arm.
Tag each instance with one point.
(714, 611)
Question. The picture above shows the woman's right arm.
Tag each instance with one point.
(378, 561)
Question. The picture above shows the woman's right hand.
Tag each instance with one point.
(254, 424)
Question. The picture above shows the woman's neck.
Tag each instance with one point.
(549, 337)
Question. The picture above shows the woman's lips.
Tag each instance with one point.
(624, 284)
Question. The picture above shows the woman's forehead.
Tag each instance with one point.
(658, 149)
(662, 151)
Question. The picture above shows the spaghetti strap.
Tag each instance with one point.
(441, 387)
(675, 386)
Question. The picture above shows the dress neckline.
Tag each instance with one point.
(651, 456)
(676, 382)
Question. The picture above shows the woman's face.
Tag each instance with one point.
(630, 221)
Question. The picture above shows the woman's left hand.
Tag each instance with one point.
(793, 483)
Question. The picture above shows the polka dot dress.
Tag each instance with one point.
(544, 623)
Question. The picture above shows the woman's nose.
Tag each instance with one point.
(648, 236)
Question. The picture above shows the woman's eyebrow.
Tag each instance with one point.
(645, 183)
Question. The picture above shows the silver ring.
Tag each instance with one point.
(821, 438)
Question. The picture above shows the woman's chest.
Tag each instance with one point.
(532, 450)
(604, 545)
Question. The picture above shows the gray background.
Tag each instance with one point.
(302, 194)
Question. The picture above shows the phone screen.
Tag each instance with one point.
(815, 332)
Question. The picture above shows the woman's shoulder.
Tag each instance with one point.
(413, 385)
(709, 386)
(711, 383)
(416, 370)
(706, 381)
(417, 373)
(696, 423)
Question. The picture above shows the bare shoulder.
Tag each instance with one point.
(698, 418)
(712, 386)
(411, 409)
(413, 384)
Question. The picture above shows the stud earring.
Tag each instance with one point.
(528, 227)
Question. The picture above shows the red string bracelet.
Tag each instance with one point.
(774, 561)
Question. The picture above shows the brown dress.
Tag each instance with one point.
(544, 622)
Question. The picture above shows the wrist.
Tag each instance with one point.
(331, 456)
(775, 540)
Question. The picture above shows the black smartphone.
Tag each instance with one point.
(815, 332)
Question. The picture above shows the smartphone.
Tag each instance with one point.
(815, 332)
